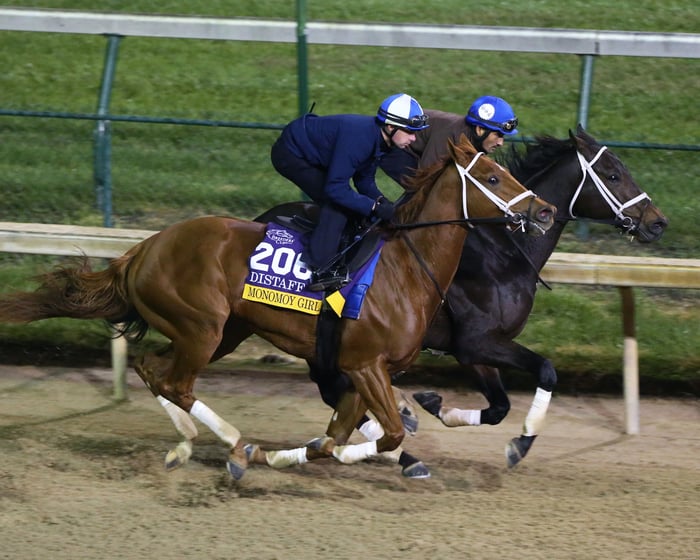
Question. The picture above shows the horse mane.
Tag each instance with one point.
(540, 155)
(420, 185)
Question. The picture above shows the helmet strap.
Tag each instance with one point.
(391, 133)
(480, 138)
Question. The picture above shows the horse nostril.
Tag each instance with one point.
(659, 226)
(546, 214)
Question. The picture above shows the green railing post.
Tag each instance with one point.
(584, 102)
(102, 134)
(302, 58)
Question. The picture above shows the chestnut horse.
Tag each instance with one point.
(493, 291)
(187, 283)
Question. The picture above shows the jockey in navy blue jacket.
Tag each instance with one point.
(322, 155)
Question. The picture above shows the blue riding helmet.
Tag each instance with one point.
(493, 113)
(403, 111)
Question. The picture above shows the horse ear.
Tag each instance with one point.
(582, 140)
(580, 132)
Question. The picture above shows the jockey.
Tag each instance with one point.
(323, 154)
(486, 123)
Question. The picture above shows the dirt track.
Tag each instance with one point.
(82, 477)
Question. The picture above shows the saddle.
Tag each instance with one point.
(357, 243)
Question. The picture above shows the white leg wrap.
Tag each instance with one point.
(286, 457)
(183, 422)
(372, 430)
(453, 417)
(349, 454)
(535, 417)
(215, 423)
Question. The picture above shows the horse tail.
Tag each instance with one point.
(77, 292)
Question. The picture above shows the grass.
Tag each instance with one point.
(165, 173)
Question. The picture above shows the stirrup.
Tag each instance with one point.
(326, 281)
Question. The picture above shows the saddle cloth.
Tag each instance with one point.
(278, 276)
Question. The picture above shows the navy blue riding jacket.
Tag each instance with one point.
(347, 147)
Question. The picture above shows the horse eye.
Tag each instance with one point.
(493, 180)
(614, 178)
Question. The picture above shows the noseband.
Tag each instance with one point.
(618, 208)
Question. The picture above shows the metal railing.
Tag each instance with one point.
(587, 44)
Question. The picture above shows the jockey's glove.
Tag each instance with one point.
(384, 209)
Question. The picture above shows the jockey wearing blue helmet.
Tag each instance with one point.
(403, 112)
(487, 122)
(493, 113)
(325, 156)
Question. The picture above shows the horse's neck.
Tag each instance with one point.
(558, 187)
(440, 245)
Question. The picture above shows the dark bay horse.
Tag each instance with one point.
(187, 283)
(493, 291)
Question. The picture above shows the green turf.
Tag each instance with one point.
(164, 173)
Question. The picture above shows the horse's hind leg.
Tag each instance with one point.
(170, 376)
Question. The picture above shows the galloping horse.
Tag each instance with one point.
(493, 291)
(187, 283)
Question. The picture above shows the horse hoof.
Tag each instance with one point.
(324, 444)
(175, 458)
(251, 452)
(236, 471)
(172, 461)
(409, 421)
(238, 461)
(430, 401)
(314, 444)
(416, 470)
(517, 448)
(409, 418)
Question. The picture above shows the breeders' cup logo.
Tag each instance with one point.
(280, 236)
(487, 111)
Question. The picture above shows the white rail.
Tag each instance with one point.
(570, 268)
(461, 37)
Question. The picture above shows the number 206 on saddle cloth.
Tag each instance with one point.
(278, 276)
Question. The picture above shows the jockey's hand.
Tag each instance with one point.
(384, 209)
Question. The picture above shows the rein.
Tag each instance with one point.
(416, 225)
(424, 266)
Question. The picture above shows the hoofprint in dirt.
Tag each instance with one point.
(82, 477)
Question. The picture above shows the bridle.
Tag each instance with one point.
(617, 207)
(516, 219)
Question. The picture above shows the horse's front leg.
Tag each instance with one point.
(517, 448)
(411, 466)
(348, 412)
(349, 405)
(373, 386)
